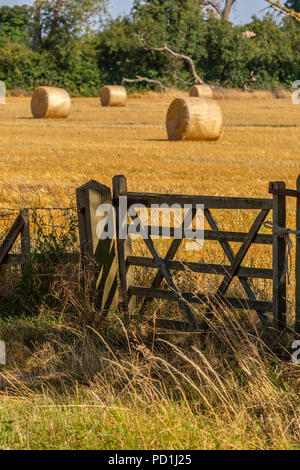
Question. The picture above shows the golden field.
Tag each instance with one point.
(49, 159)
(43, 161)
(74, 381)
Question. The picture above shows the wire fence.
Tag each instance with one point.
(56, 225)
(47, 249)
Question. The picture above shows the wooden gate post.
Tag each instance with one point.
(99, 259)
(124, 246)
(279, 255)
(297, 268)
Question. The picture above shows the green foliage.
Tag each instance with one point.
(67, 54)
(221, 53)
(71, 54)
(229, 54)
(15, 23)
(67, 18)
(179, 24)
(276, 57)
(33, 289)
(293, 5)
(73, 67)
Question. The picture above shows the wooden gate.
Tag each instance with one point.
(276, 205)
(112, 265)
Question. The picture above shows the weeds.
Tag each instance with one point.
(49, 240)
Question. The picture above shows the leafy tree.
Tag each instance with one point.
(293, 5)
(228, 54)
(220, 8)
(67, 59)
(64, 18)
(15, 23)
(61, 43)
(179, 24)
(275, 54)
(19, 65)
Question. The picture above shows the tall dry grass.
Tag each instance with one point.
(219, 93)
(76, 380)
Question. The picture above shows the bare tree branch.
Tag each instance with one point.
(227, 9)
(163, 88)
(282, 9)
(37, 29)
(185, 82)
(218, 10)
(251, 80)
(213, 5)
(165, 48)
(56, 12)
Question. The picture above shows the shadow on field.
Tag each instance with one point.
(284, 126)
(155, 140)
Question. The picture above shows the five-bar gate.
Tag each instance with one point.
(272, 208)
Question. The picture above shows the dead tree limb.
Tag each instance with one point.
(218, 11)
(216, 8)
(251, 80)
(165, 48)
(138, 79)
(185, 82)
(283, 9)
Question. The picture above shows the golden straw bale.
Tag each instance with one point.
(113, 96)
(50, 103)
(194, 119)
(201, 91)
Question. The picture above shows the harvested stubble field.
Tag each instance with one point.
(46, 160)
(66, 385)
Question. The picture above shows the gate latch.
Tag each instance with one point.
(283, 192)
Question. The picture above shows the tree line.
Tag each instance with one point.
(78, 46)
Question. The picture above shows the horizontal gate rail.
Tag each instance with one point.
(244, 304)
(210, 202)
(211, 235)
(214, 269)
(176, 325)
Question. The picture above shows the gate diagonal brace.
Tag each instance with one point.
(240, 256)
(166, 273)
(231, 257)
(174, 247)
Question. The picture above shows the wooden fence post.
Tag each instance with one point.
(297, 267)
(279, 255)
(99, 260)
(25, 238)
(123, 245)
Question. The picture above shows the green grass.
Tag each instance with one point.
(45, 423)
(70, 387)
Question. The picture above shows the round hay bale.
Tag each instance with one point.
(201, 91)
(194, 119)
(50, 103)
(113, 96)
